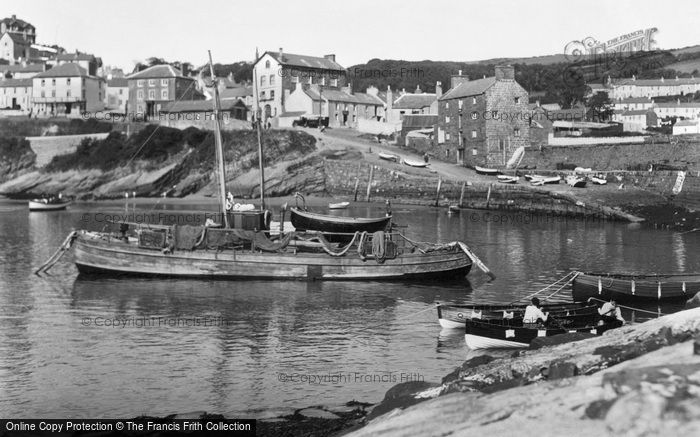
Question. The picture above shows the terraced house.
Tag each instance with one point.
(153, 88)
(16, 94)
(482, 122)
(67, 90)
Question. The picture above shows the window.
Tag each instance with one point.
(516, 132)
(447, 119)
(262, 80)
(139, 83)
(53, 93)
(53, 82)
(272, 79)
(473, 100)
(68, 81)
(272, 94)
(151, 94)
(262, 95)
(494, 115)
(323, 80)
(447, 136)
(121, 91)
(42, 94)
(517, 100)
(447, 105)
(459, 103)
(164, 94)
(139, 95)
(43, 82)
(164, 82)
(473, 134)
(475, 152)
(475, 115)
(267, 64)
(334, 82)
(151, 82)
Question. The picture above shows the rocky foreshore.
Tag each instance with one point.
(639, 380)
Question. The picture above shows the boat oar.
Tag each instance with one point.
(475, 259)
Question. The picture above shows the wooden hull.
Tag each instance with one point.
(37, 205)
(456, 316)
(411, 163)
(493, 335)
(630, 288)
(97, 255)
(303, 220)
(486, 171)
(387, 157)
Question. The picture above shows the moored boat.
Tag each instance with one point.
(310, 221)
(453, 209)
(49, 204)
(339, 205)
(487, 171)
(455, 316)
(388, 157)
(505, 334)
(576, 181)
(633, 288)
(598, 180)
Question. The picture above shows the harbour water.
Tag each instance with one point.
(76, 346)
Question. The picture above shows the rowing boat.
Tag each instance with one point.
(576, 181)
(542, 180)
(632, 288)
(49, 204)
(455, 316)
(414, 163)
(506, 334)
(508, 179)
(339, 205)
(487, 171)
(388, 157)
(310, 221)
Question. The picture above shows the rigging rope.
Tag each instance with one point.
(574, 273)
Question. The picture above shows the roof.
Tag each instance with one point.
(305, 61)
(72, 57)
(580, 124)
(342, 96)
(199, 106)
(236, 93)
(158, 72)
(17, 38)
(414, 101)
(8, 83)
(637, 112)
(64, 70)
(469, 88)
(419, 120)
(686, 123)
(678, 105)
(9, 21)
(16, 68)
(636, 100)
(118, 82)
(656, 82)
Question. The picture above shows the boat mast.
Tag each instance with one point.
(261, 159)
(219, 147)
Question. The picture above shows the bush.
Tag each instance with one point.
(14, 148)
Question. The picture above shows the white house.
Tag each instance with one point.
(686, 127)
(67, 90)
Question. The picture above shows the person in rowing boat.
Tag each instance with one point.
(533, 314)
(611, 314)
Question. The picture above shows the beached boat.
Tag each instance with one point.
(598, 180)
(49, 204)
(542, 180)
(339, 205)
(634, 288)
(576, 181)
(487, 171)
(508, 179)
(455, 316)
(388, 157)
(500, 334)
(237, 245)
(415, 163)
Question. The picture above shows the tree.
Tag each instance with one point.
(600, 107)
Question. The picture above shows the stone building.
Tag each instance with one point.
(342, 107)
(67, 90)
(16, 94)
(482, 122)
(153, 88)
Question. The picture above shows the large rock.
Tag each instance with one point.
(401, 396)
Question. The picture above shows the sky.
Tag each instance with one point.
(126, 31)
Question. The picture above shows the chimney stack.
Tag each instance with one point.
(438, 89)
(389, 98)
(505, 72)
(418, 90)
(330, 57)
(457, 79)
(281, 55)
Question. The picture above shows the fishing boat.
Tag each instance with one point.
(576, 181)
(388, 157)
(339, 205)
(506, 334)
(542, 180)
(508, 179)
(456, 316)
(635, 288)
(487, 171)
(237, 245)
(415, 163)
(52, 203)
